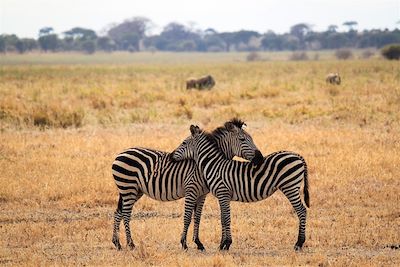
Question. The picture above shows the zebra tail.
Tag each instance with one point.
(306, 193)
(120, 203)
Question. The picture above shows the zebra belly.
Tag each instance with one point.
(165, 188)
(252, 198)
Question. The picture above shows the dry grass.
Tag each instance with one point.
(57, 195)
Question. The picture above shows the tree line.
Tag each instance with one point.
(133, 35)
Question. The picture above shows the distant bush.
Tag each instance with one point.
(253, 56)
(58, 117)
(343, 54)
(391, 51)
(367, 54)
(298, 56)
(89, 47)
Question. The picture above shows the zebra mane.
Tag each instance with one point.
(235, 121)
(211, 137)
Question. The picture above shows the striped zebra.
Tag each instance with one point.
(139, 171)
(246, 182)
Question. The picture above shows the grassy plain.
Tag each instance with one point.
(63, 120)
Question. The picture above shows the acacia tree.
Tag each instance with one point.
(350, 24)
(45, 31)
(332, 28)
(128, 34)
(80, 39)
(300, 30)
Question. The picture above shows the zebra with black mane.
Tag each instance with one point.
(139, 171)
(246, 181)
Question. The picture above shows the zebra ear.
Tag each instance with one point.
(194, 129)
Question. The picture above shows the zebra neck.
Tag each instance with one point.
(223, 142)
(209, 155)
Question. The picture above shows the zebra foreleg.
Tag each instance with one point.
(197, 217)
(128, 203)
(190, 203)
(226, 240)
(117, 222)
(294, 197)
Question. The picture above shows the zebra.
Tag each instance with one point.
(139, 171)
(247, 182)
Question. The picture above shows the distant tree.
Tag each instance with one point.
(49, 42)
(176, 31)
(25, 44)
(10, 42)
(228, 38)
(45, 31)
(2, 44)
(130, 32)
(80, 34)
(291, 42)
(20, 46)
(178, 37)
(214, 43)
(105, 43)
(332, 28)
(210, 31)
(244, 36)
(30, 43)
(89, 46)
(271, 41)
(334, 40)
(187, 45)
(300, 31)
(350, 24)
(130, 42)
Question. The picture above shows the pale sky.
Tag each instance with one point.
(26, 17)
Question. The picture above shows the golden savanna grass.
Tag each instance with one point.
(61, 126)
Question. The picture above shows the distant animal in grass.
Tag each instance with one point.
(333, 78)
(206, 82)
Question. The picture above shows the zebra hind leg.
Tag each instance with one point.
(197, 217)
(293, 194)
(117, 222)
(128, 202)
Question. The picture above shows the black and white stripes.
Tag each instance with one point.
(247, 182)
(139, 171)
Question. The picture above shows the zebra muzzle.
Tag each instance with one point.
(258, 157)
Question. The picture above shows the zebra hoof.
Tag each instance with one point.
(117, 244)
(184, 245)
(297, 248)
(225, 245)
(131, 246)
(199, 245)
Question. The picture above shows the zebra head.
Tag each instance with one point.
(187, 149)
(235, 141)
(231, 139)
